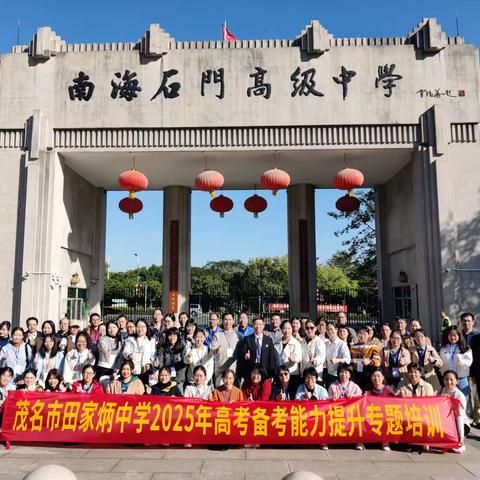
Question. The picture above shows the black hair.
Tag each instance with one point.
(52, 325)
(310, 371)
(43, 351)
(200, 367)
(462, 344)
(54, 372)
(7, 324)
(261, 370)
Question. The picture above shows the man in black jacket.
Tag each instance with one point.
(473, 408)
(257, 348)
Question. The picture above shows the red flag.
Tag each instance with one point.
(226, 34)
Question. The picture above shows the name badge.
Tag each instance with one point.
(359, 367)
(395, 372)
(229, 352)
(174, 372)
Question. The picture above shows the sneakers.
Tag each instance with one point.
(323, 446)
(385, 447)
(460, 449)
(359, 446)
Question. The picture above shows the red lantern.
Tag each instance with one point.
(348, 179)
(255, 204)
(221, 204)
(275, 179)
(209, 181)
(130, 205)
(133, 181)
(347, 204)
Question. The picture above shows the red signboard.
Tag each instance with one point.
(323, 307)
(82, 418)
(173, 277)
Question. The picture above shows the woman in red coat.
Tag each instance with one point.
(257, 387)
(87, 384)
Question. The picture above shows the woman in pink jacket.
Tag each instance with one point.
(344, 388)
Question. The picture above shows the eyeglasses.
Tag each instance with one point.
(284, 374)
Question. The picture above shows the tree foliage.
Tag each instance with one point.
(358, 260)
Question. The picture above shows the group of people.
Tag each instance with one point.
(297, 359)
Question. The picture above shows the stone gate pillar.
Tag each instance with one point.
(302, 274)
(176, 249)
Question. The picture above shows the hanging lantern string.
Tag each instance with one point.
(205, 158)
(275, 159)
(345, 159)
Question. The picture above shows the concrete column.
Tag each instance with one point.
(302, 258)
(97, 278)
(41, 277)
(176, 248)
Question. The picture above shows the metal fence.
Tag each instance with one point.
(361, 305)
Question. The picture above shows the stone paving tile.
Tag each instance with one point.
(357, 476)
(439, 457)
(449, 470)
(257, 466)
(14, 465)
(202, 476)
(268, 476)
(24, 451)
(113, 476)
(164, 466)
(473, 466)
(12, 476)
(285, 454)
(329, 467)
(205, 454)
(460, 476)
(77, 464)
(367, 455)
(125, 453)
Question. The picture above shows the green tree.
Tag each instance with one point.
(331, 278)
(359, 239)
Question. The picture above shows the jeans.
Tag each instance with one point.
(464, 387)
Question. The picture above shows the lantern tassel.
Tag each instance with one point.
(130, 216)
(131, 194)
(351, 193)
(255, 215)
(212, 193)
(222, 215)
(274, 192)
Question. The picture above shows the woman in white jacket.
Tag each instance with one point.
(140, 349)
(456, 355)
(77, 358)
(313, 349)
(48, 357)
(289, 350)
(109, 351)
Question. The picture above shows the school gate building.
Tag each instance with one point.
(404, 111)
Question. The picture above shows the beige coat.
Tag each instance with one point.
(135, 388)
(432, 359)
(424, 389)
(403, 361)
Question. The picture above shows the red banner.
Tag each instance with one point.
(81, 418)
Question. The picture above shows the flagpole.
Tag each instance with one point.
(224, 32)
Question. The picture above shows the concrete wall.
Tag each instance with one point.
(408, 240)
(458, 179)
(28, 84)
(12, 168)
(61, 238)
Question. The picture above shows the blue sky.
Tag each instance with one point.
(238, 235)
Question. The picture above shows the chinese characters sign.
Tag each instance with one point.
(127, 85)
(70, 417)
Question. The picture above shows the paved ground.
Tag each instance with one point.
(240, 463)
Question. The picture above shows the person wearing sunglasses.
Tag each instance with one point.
(313, 349)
